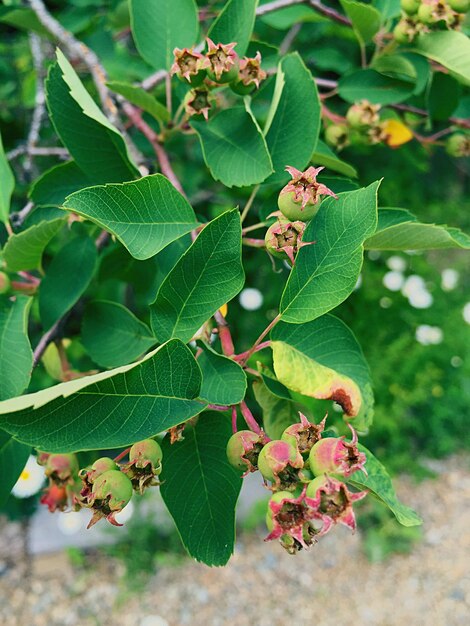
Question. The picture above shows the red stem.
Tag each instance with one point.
(268, 328)
(249, 419)
(224, 334)
(234, 418)
(261, 346)
(121, 455)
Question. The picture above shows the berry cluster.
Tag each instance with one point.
(220, 65)
(423, 16)
(105, 487)
(298, 203)
(361, 126)
(306, 472)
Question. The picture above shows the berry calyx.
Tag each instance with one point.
(289, 519)
(198, 101)
(458, 145)
(332, 502)
(335, 455)
(279, 463)
(145, 464)
(300, 198)
(284, 237)
(304, 435)
(111, 491)
(249, 76)
(89, 476)
(221, 61)
(188, 65)
(337, 136)
(363, 114)
(243, 449)
(55, 498)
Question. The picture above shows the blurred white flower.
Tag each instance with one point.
(358, 282)
(429, 335)
(393, 280)
(373, 255)
(396, 263)
(456, 361)
(72, 522)
(251, 299)
(466, 312)
(413, 283)
(420, 299)
(449, 279)
(30, 481)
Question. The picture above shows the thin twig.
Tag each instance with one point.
(249, 202)
(36, 151)
(39, 101)
(267, 330)
(289, 38)
(329, 12)
(17, 219)
(276, 5)
(135, 116)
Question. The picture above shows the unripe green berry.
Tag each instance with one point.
(410, 6)
(293, 210)
(5, 283)
(461, 6)
(401, 32)
(426, 13)
(143, 452)
(114, 487)
(458, 145)
(337, 135)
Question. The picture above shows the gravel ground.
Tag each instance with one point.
(331, 584)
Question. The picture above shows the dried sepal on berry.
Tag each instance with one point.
(62, 469)
(145, 464)
(335, 455)
(221, 61)
(187, 64)
(304, 435)
(199, 101)
(332, 502)
(111, 491)
(291, 520)
(250, 72)
(89, 475)
(300, 198)
(243, 449)
(284, 237)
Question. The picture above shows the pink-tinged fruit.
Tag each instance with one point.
(243, 449)
(300, 198)
(250, 73)
(145, 464)
(188, 64)
(55, 497)
(332, 502)
(285, 237)
(290, 519)
(62, 469)
(110, 493)
(221, 61)
(304, 434)
(279, 462)
(335, 455)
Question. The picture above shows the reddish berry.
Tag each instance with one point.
(62, 469)
(243, 450)
(55, 497)
(279, 462)
(188, 65)
(304, 435)
(335, 455)
(290, 519)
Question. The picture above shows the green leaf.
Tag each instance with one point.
(57, 183)
(234, 148)
(112, 409)
(159, 26)
(365, 19)
(443, 96)
(200, 489)
(235, 23)
(326, 271)
(278, 413)
(95, 144)
(323, 155)
(399, 230)
(396, 66)
(112, 335)
(388, 8)
(7, 185)
(207, 275)
(16, 357)
(24, 19)
(293, 122)
(13, 457)
(376, 88)
(450, 48)
(223, 380)
(379, 483)
(142, 99)
(23, 251)
(66, 279)
(145, 215)
(322, 359)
